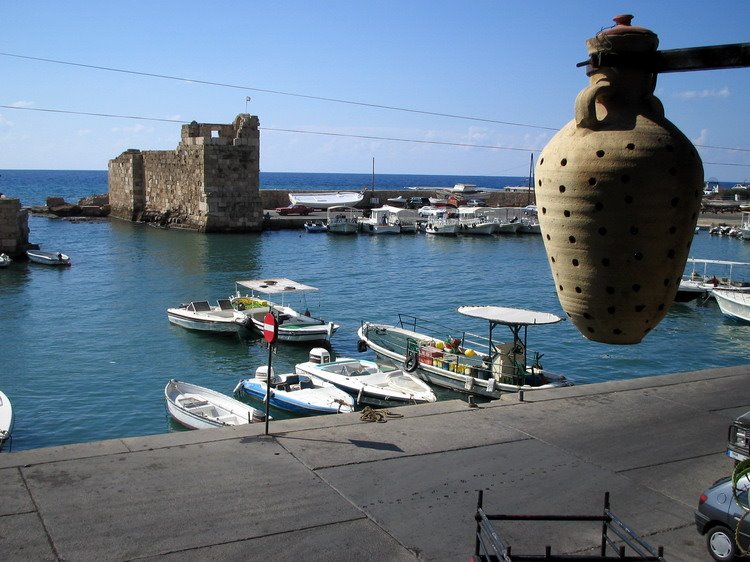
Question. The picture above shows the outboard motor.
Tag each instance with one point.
(319, 355)
(262, 373)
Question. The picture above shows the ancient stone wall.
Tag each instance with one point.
(14, 227)
(208, 183)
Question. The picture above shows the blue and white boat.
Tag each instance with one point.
(300, 394)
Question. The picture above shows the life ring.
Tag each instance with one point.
(361, 346)
(410, 365)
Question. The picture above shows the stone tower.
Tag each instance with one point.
(209, 183)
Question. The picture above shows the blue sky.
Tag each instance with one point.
(496, 60)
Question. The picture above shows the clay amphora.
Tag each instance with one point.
(618, 192)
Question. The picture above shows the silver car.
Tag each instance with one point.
(719, 515)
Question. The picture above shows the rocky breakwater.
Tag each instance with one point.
(93, 206)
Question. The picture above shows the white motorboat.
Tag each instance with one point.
(380, 221)
(365, 380)
(443, 227)
(700, 282)
(300, 394)
(4, 260)
(200, 315)
(324, 200)
(197, 407)
(315, 226)
(293, 326)
(505, 219)
(466, 362)
(529, 221)
(734, 304)
(48, 258)
(745, 226)
(343, 220)
(6, 419)
(473, 221)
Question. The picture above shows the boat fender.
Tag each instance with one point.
(491, 385)
(361, 346)
(410, 365)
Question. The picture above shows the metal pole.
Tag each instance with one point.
(268, 385)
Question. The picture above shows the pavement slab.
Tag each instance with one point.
(145, 503)
(428, 502)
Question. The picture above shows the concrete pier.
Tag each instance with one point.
(339, 488)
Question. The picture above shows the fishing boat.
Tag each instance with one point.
(197, 407)
(343, 220)
(48, 258)
(466, 362)
(702, 277)
(200, 315)
(380, 221)
(324, 200)
(4, 260)
(365, 380)
(734, 304)
(293, 326)
(440, 220)
(304, 395)
(6, 419)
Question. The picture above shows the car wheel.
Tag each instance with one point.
(720, 543)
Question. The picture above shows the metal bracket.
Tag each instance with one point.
(714, 57)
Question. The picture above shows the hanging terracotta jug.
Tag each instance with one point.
(618, 192)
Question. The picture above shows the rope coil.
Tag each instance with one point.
(378, 416)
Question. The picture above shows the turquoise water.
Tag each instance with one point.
(86, 350)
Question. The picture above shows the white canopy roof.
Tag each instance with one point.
(509, 316)
(275, 285)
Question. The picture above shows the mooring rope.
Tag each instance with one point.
(378, 416)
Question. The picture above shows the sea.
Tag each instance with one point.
(87, 350)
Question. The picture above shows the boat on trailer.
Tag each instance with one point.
(197, 407)
(466, 362)
(326, 199)
(366, 381)
(293, 326)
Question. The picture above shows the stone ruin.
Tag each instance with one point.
(209, 183)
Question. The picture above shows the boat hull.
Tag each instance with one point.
(374, 386)
(194, 322)
(326, 200)
(48, 258)
(734, 304)
(297, 402)
(6, 419)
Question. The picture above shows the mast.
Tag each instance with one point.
(531, 179)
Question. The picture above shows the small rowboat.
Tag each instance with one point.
(48, 258)
(197, 407)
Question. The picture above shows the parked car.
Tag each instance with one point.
(738, 447)
(718, 515)
(296, 209)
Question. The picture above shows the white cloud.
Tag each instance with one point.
(700, 94)
(22, 103)
(702, 138)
